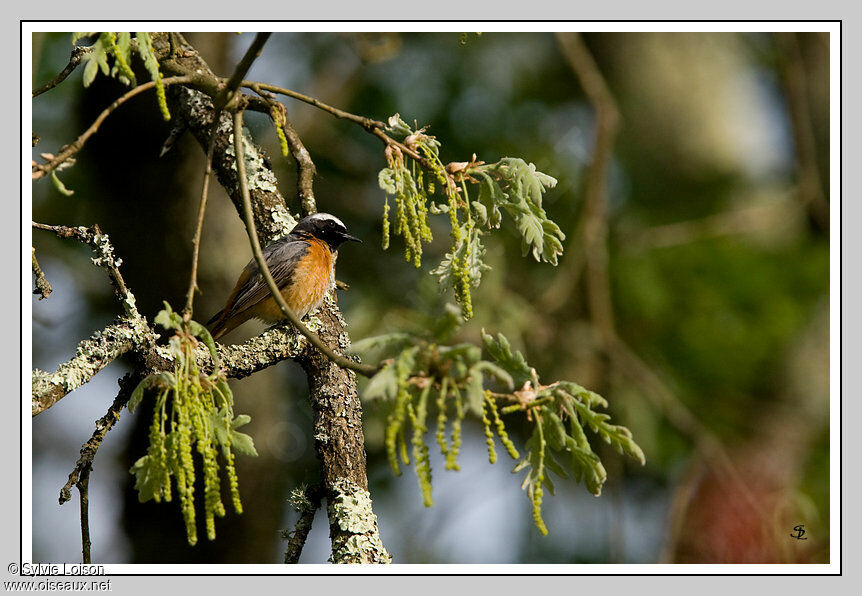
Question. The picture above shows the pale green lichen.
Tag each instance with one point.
(350, 510)
(283, 219)
(91, 356)
(259, 175)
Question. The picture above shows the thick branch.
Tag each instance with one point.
(264, 268)
(91, 356)
(338, 424)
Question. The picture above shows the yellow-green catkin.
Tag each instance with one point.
(452, 456)
(278, 121)
(158, 451)
(393, 428)
(184, 465)
(501, 430)
(422, 208)
(420, 447)
(537, 508)
(537, 491)
(441, 416)
(403, 448)
(122, 65)
(489, 434)
(385, 243)
(162, 99)
(233, 483)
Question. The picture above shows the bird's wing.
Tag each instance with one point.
(281, 257)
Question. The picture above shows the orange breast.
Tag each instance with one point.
(310, 279)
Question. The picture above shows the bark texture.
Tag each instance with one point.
(338, 436)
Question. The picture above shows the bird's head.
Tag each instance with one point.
(326, 227)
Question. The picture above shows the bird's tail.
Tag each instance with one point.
(222, 323)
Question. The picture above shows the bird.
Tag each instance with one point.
(302, 265)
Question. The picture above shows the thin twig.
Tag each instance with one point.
(366, 123)
(103, 425)
(235, 81)
(307, 510)
(341, 361)
(40, 170)
(193, 278)
(83, 485)
(305, 168)
(74, 60)
(106, 259)
(42, 286)
(375, 127)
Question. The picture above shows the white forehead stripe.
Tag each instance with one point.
(325, 216)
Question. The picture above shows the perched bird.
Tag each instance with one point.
(302, 265)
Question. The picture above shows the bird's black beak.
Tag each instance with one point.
(345, 236)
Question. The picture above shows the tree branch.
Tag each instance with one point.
(196, 242)
(74, 60)
(339, 439)
(43, 288)
(40, 170)
(226, 96)
(338, 359)
(307, 503)
(103, 425)
(595, 230)
(93, 354)
(305, 168)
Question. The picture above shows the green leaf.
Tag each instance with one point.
(77, 36)
(96, 60)
(555, 432)
(168, 319)
(221, 425)
(512, 362)
(383, 385)
(145, 50)
(162, 380)
(242, 443)
(448, 323)
(385, 344)
(386, 181)
(203, 333)
(481, 212)
(240, 421)
(475, 392)
(147, 483)
(495, 371)
(61, 188)
(138, 394)
(395, 125)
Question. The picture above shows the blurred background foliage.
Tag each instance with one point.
(718, 259)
